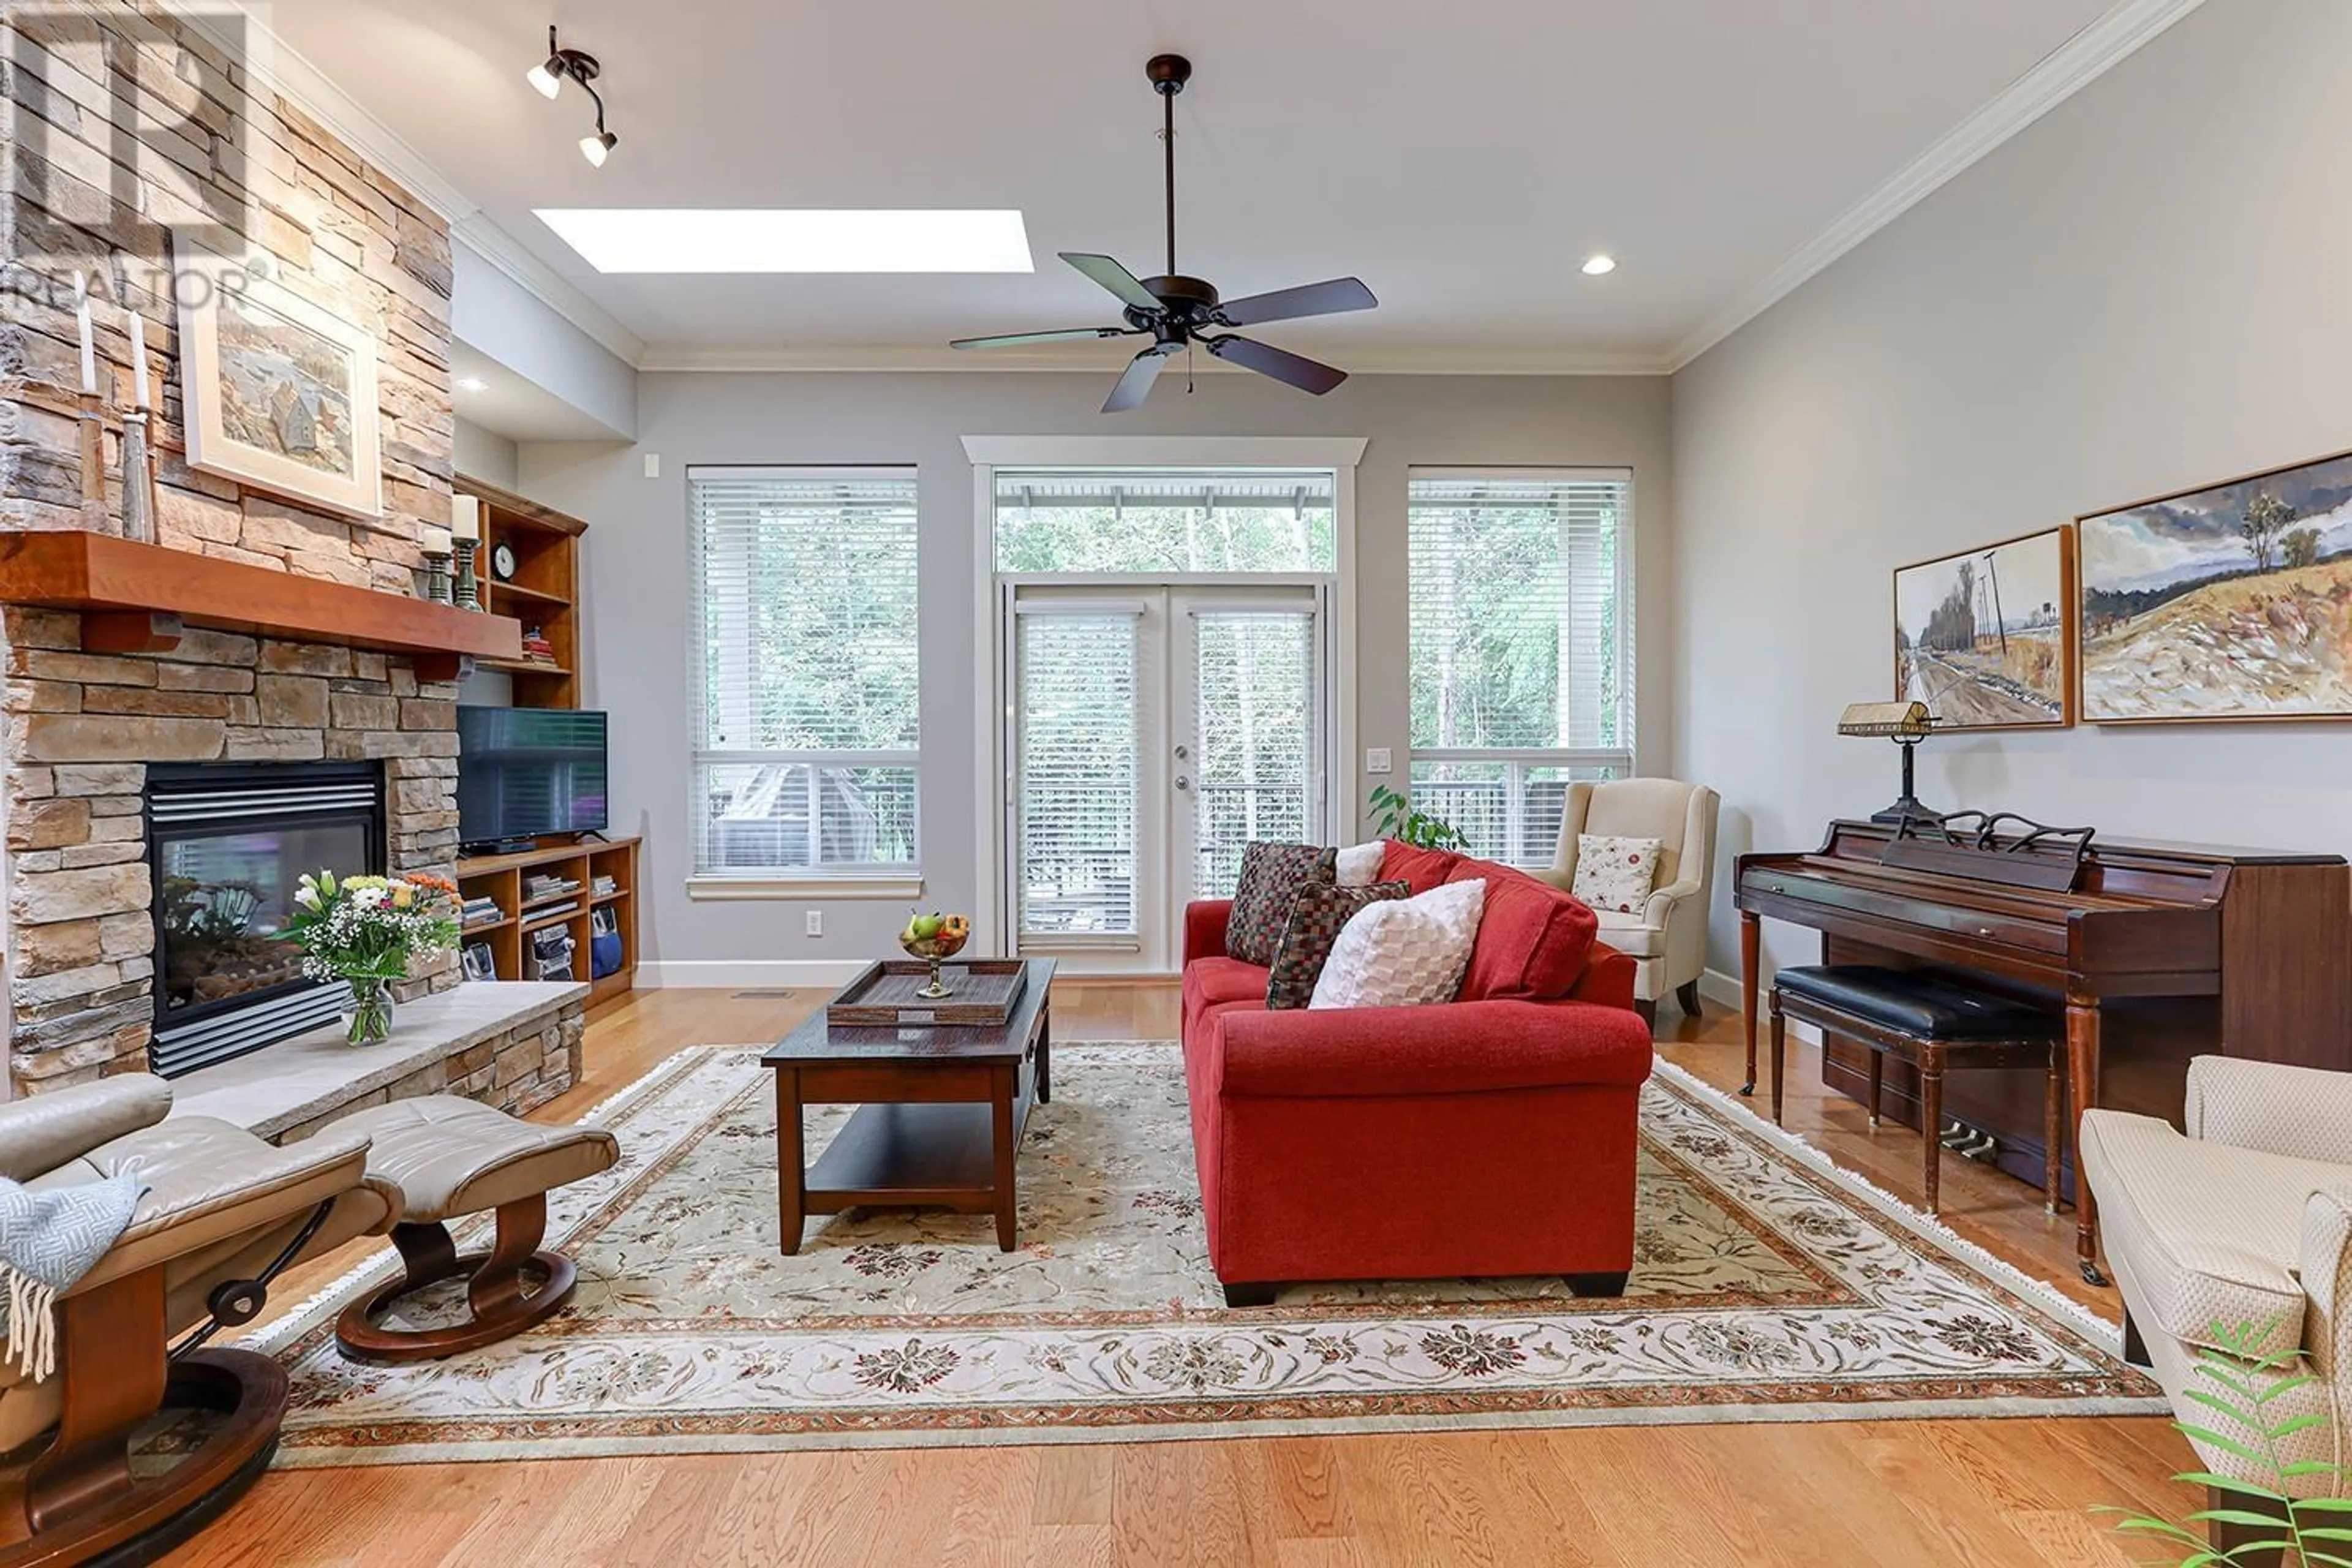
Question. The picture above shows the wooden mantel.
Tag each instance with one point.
(135, 598)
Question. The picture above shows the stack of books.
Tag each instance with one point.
(482, 910)
(547, 885)
(604, 885)
(537, 648)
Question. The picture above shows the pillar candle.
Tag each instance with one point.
(435, 540)
(89, 341)
(138, 362)
(466, 517)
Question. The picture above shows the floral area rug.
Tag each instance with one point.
(1766, 1287)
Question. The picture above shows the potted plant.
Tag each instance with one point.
(1397, 820)
(363, 931)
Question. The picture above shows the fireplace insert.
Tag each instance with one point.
(227, 843)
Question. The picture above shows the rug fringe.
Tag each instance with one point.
(2107, 1334)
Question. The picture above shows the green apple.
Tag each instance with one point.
(926, 927)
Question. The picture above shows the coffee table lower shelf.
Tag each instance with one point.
(939, 1156)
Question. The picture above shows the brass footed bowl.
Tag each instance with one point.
(935, 948)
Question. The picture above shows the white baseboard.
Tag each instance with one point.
(743, 974)
(1717, 987)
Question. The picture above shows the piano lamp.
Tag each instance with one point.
(1905, 723)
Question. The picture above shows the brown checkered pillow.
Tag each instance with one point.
(1314, 921)
(1272, 876)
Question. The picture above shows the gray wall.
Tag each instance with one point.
(2144, 291)
(495, 314)
(485, 455)
(636, 569)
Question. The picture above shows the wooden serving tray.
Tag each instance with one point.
(986, 990)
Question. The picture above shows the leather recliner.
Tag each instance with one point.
(223, 1213)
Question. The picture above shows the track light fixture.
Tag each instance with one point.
(547, 79)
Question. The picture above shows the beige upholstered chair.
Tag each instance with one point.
(224, 1212)
(1667, 938)
(2246, 1219)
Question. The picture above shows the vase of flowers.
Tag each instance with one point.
(363, 932)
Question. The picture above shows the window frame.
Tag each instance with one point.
(877, 879)
(1516, 761)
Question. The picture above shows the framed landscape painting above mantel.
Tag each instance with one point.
(277, 393)
(2231, 602)
(1984, 636)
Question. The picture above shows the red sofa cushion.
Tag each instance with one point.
(1533, 939)
(1420, 869)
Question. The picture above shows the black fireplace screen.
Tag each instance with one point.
(228, 844)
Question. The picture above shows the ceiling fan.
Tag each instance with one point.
(1178, 311)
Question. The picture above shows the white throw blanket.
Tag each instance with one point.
(48, 1240)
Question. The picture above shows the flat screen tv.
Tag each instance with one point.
(523, 773)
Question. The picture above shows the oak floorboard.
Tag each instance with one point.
(1992, 1493)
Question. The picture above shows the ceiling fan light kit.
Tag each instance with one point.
(1177, 311)
(562, 65)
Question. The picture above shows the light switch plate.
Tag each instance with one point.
(652, 464)
(816, 922)
(1378, 760)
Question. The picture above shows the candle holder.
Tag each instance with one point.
(468, 587)
(91, 419)
(137, 480)
(438, 586)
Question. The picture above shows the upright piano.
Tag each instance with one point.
(2156, 952)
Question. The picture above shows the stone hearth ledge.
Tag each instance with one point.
(514, 1044)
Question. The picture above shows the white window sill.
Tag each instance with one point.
(786, 889)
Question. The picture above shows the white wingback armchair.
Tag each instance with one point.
(1667, 938)
(2245, 1220)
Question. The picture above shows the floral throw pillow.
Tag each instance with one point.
(1616, 874)
(1315, 921)
(1272, 876)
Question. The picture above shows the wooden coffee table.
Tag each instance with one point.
(940, 1112)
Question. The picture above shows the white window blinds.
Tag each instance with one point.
(1154, 521)
(1077, 737)
(806, 746)
(1520, 672)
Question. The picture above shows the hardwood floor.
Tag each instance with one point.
(1990, 1492)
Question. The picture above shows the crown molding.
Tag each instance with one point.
(2056, 77)
(675, 357)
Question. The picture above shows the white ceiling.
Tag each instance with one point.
(1462, 162)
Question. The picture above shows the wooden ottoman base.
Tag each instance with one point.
(500, 1288)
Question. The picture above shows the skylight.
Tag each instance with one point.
(716, 239)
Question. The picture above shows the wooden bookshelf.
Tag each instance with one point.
(544, 591)
(501, 877)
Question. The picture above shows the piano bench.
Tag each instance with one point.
(1932, 1024)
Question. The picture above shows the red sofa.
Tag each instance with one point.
(1493, 1135)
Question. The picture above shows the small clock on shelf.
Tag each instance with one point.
(502, 561)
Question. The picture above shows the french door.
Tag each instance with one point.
(1151, 731)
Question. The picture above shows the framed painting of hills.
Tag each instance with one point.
(1984, 638)
(2232, 602)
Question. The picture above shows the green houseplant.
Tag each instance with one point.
(2259, 1519)
(1397, 820)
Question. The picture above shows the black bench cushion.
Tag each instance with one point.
(1919, 1004)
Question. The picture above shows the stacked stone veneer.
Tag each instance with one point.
(516, 1069)
(81, 729)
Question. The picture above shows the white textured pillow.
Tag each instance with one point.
(1616, 874)
(1403, 952)
(1360, 864)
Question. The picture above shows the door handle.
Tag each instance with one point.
(1182, 753)
(1182, 782)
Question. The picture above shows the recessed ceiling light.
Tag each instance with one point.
(472, 384)
(1594, 266)
(720, 239)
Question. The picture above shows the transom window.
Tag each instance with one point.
(806, 744)
(1164, 520)
(1520, 587)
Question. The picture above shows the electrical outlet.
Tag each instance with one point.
(652, 464)
(816, 922)
(1379, 760)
